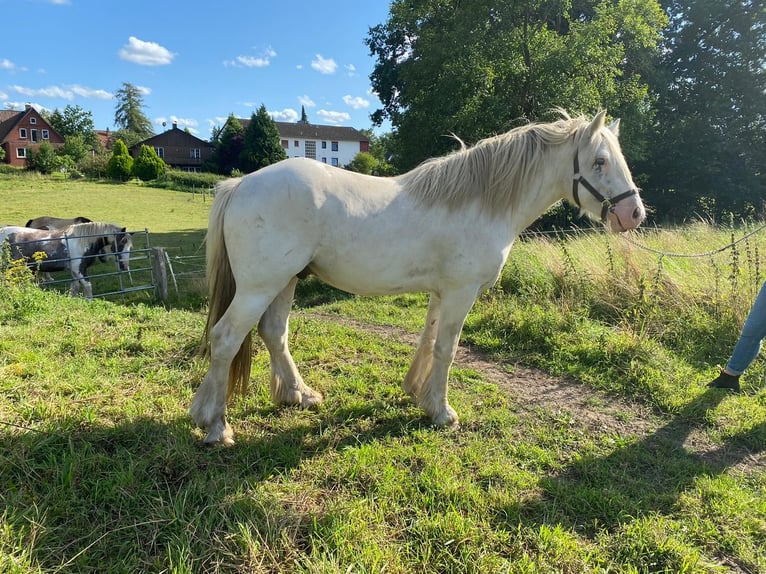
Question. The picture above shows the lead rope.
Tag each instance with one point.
(693, 255)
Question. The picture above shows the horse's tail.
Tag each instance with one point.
(221, 287)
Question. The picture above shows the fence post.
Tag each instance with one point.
(160, 273)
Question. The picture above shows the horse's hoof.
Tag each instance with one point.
(447, 419)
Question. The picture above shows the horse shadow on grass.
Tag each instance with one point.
(74, 497)
(646, 477)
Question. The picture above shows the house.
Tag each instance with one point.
(336, 145)
(21, 131)
(178, 148)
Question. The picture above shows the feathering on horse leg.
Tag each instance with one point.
(287, 386)
(420, 368)
(208, 409)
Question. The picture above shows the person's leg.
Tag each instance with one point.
(748, 345)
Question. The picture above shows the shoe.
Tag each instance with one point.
(725, 381)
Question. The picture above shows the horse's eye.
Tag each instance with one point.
(600, 162)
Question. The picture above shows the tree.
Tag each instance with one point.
(120, 165)
(709, 139)
(363, 162)
(228, 146)
(261, 144)
(43, 159)
(74, 121)
(133, 125)
(477, 69)
(148, 165)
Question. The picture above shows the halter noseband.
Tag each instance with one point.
(607, 203)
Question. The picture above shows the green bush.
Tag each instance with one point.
(148, 165)
(120, 165)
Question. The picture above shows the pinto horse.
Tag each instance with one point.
(74, 247)
(445, 228)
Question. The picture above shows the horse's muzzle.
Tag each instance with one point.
(627, 214)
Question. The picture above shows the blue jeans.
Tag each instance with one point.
(753, 332)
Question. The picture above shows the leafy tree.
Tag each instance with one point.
(261, 144)
(382, 148)
(120, 165)
(709, 139)
(225, 157)
(474, 69)
(42, 159)
(148, 165)
(74, 147)
(133, 125)
(363, 162)
(74, 121)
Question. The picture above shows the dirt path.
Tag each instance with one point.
(599, 412)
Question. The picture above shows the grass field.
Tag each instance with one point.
(613, 457)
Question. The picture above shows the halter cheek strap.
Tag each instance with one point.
(607, 203)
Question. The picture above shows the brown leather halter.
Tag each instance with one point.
(607, 203)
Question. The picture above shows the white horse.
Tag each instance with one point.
(445, 228)
(74, 247)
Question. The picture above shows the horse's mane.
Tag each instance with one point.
(491, 171)
(88, 233)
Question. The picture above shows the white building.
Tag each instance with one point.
(334, 145)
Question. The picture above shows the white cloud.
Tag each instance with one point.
(324, 65)
(182, 123)
(356, 102)
(333, 117)
(67, 92)
(6, 64)
(350, 70)
(3, 96)
(145, 53)
(252, 61)
(306, 101)
(286, 115)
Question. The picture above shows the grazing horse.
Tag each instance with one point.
(51, 223)
(74, 247)
(445, 228)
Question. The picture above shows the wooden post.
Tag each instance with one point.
(160, 273)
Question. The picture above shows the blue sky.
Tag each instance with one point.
(194, 62)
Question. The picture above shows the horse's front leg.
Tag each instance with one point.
(432, 397)
(420, 368)
(287, 386)
(80, 278)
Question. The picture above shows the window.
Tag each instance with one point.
(285, 144)
(324, 160)
(310, 149)
(46, 135)
(160, 152)
(334, 146)
(196, 153)
(296, 143)
(33, 133)
(335, 161)
(23, 133)
(324, 145)
(33, 121)
(21, 152)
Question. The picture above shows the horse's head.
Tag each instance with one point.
(602, 182)
(122, 243)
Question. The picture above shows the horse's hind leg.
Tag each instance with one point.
(208, 409)
(287, 386)
(420, 368)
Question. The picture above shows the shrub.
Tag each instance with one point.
(148, 164)
(120, 165)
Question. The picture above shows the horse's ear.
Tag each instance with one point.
(614, 127)
(596, 124)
